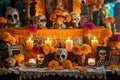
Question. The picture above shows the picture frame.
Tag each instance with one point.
(84, 20)
(102, 55)
(114, 57)
(15, 50)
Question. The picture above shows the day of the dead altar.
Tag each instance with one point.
(59, 39)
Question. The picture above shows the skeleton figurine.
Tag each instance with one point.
(40, 59)
(61, 55)
(102, 55)
(75, 19)
(12, 17)
(42, 21)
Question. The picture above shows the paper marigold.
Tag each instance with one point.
(53, 64)
(67, 64)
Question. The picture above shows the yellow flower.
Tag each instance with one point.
(85, 49)
(53, 64)
(67, 64)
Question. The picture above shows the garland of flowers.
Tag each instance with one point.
(8, 38)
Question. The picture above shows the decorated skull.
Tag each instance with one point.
(61, 55)
(12, 16)
(75, 19)
(42, 21)
(102, 54)
(40, 58)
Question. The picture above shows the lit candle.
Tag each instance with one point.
(32, 62)
(94, 43)
(48, 42)
(91, 61)
(29, 44)
(69, 44)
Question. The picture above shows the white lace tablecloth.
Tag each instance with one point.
(38, 72)
(4, 72)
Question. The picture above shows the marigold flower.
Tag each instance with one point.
(67, 64)
(53, 63)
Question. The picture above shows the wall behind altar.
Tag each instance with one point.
(76, 8)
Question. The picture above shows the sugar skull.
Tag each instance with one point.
(102, 55)
(75, 19)
(61, 55)
(40, 58)
(12, 17)
(42, 21)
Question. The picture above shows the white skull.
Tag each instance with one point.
(61, 55)
(40, 58)
(12, 16)
(42, 21)
(102, 54)
(75, 19)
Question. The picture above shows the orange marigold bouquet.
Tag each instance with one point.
(60, 16)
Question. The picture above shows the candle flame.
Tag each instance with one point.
(29, 38)
(48, 38)
(68, 38)
(94, 38)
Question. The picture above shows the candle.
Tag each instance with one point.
(32, 62)
(48, 42)
(94, 43)
(69, 44)
(91, 61)
(29, 44)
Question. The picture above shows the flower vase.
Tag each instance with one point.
(83, 59)
(87, 37)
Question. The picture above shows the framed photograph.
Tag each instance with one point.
(84, 20)
(15, 50)
(102, 55)
(115, 57)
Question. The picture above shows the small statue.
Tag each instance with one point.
(75, 19)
